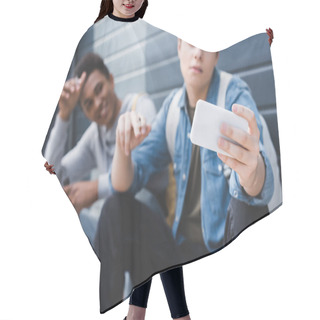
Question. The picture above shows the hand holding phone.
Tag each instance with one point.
(207, 121)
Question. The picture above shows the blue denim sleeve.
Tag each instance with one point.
(238, 92)
(152, 155)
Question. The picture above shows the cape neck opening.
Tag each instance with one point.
(113, 17)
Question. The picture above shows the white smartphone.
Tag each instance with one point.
(208, 118)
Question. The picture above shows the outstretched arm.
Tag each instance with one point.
(131, 131)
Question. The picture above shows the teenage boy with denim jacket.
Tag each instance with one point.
(251, 180)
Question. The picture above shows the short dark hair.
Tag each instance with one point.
(106, 7)
(90, 62)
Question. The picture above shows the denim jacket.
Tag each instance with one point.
(216, 191)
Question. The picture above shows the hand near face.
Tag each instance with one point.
(131, 131)
(247, 161)
(70, 95)
(82, 194)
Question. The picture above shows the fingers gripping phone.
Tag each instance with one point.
(208, 118)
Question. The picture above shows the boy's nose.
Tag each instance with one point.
(198, 53)
(97, 103)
